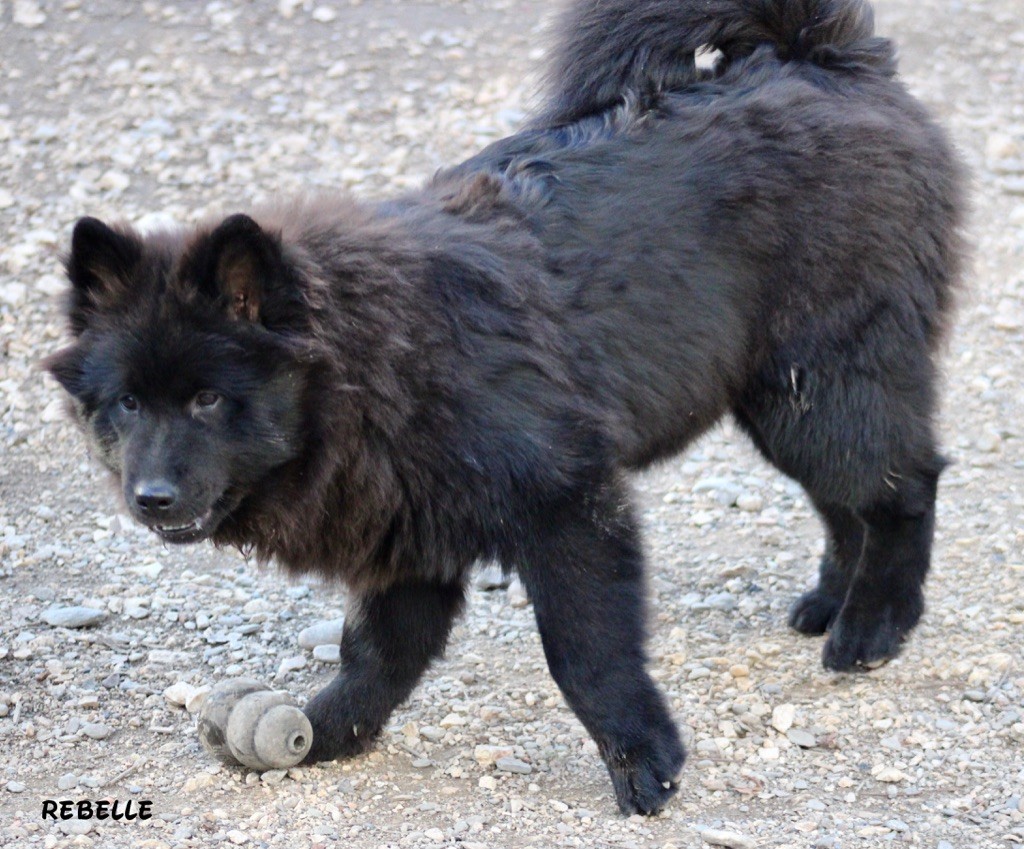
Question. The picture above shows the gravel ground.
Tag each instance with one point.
(176, 109)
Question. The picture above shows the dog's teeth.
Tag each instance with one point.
(175, 528)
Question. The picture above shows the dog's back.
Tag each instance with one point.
(715, 232)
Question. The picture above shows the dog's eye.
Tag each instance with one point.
(205, 400)
(129, 403)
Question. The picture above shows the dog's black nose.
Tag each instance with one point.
(155, 496)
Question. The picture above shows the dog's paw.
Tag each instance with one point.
(646, 777)
(814, 612)
(328, 747)
(864, 637)
(335, 734)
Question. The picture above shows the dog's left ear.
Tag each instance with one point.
(244, 263)
(67, 367)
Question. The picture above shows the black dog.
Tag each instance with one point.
(387, 393)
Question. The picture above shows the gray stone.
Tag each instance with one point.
(509, 764)
(517, 595)
(96, 730)
(289, 665)
(273, 776)
(327, 654)
(167, 657)
(327, 632)
(801, 738)
(178, 694)
(750, 502)
(718, 601)
(73, 617)
(731, 839)
(488, 755)
(492, 577)
(28, 14)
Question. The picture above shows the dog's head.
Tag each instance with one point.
(186, 367)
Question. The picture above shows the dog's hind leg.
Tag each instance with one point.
(815, 611)
(583, 568)
(852, 423)
(390, 637)
(885, 599)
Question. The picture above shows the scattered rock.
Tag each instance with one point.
(510, 764)
(731, 839)
(889, 775)
(492, 577)
(1009, 315)
(803, 739)
(517, 596)
(13, 293)
(327, 653)
(289, 665)
(325, 633)
(28, 14)
(782, 717)
(489, 755)
(114, 181)
(194, 702)
(1001, 146)
(432, 733)
(73, 617)
(179, 694)
(167, 657)
(97, 730)
(452, 720)
(273, 776)
(750, 502)
(718, 601)
(201, 781)
(324, 14)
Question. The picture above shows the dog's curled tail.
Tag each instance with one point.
(609, 50)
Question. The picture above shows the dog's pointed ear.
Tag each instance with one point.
(66, 366)
(99, 267)
(244, 262)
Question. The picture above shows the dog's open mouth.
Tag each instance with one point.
(194, 531)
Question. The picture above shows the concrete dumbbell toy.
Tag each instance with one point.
(243, 722)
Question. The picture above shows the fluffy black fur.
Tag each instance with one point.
(386, 393)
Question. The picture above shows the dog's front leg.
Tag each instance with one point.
(389, 639)
(584, 575)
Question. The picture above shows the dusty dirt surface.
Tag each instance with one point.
(158, 110)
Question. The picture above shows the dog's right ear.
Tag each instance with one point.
(99, 267)
(244, 262)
